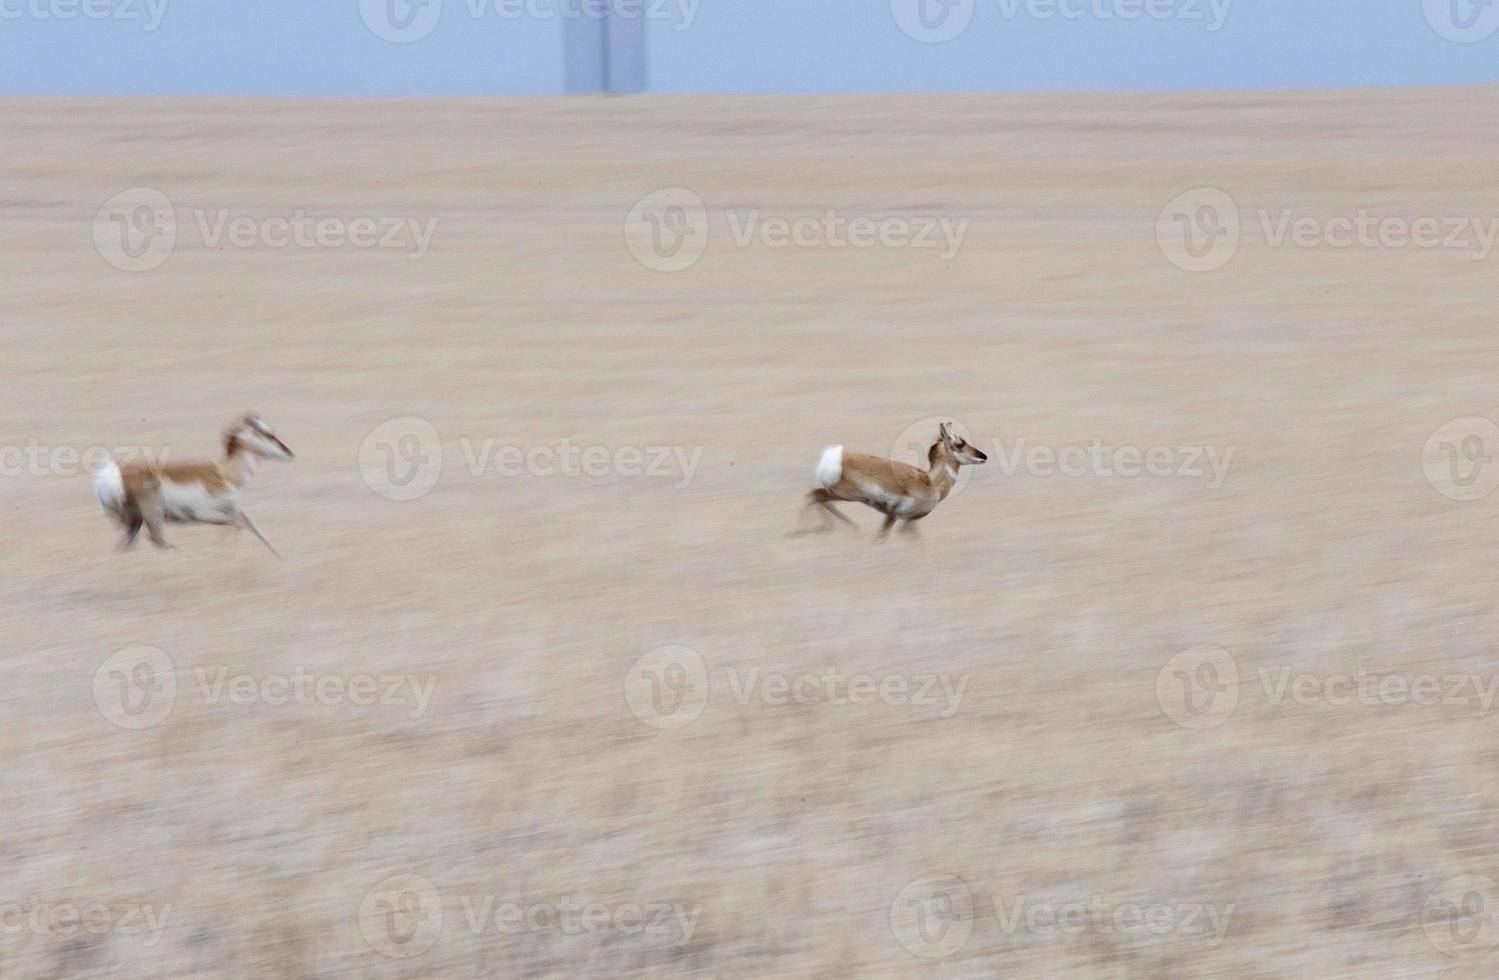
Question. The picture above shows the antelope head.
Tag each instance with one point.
(254, 436)
(957, 447)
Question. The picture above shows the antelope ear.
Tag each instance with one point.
(944, 431)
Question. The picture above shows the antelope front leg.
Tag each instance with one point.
(885, 527)
(256, 531)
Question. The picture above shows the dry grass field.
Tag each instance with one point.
(543, 687)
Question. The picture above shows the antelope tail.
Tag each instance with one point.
(830, 467)
(109, 487)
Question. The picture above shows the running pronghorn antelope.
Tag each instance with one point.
(189, 493)
(897, 490)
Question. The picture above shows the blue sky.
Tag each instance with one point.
(391, 47)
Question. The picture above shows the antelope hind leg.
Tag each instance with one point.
(821, 498)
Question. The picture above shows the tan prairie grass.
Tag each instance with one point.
(794, 825)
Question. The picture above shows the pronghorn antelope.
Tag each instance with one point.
(897, 490)
(190, 493)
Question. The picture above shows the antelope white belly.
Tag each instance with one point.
(895, 504)
(191, 502)
(916, 508)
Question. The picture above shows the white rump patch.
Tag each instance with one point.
(109, 487)
(830, 467)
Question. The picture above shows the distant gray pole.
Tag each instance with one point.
(604, 54)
